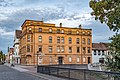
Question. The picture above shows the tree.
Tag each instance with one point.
(2, 56)
(107, 11)
(113, 59)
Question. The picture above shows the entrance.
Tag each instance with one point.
(88, 60)
(60, 60)
(28, 59)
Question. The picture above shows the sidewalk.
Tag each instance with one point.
(33, 71)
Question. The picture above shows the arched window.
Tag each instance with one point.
(70, 40)
(70, 59)
(50, 39)
(28, 48)
(58, 39)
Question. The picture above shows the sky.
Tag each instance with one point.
(71, 13)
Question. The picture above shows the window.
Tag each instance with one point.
(88, 40)
(83, 33)
(50, 59)
(70, 59)
(69, 32)
(88, 49)
(62, 31)
(94, 52)
(103, 52)
(28, 38)
(50, 39)
(78, 49)
(29, 29)
(78, 59)
(84, 60)
(62, 39)
(50, 30)
(77, 41)
(77, 32)
(84, 50)
(40, 48)
(58, 39)
(40, 38)
(40, 29)
(50, 49)
(70, 40)
(98, 52)
(83, 41)
(28, 48)
(58, 48)
(62, 49)
(58, 30)
(70, 50)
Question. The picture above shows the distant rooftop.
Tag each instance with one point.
(100, 46)
(17, 33)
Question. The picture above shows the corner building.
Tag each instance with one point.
(45, 44)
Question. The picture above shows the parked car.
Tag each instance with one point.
(1, 63)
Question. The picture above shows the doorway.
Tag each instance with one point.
(60, 60)
(88, 60)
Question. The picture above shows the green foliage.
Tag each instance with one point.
(2, 56)
(107, 11)
(113, 61)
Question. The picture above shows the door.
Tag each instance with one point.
(88, 60)
(60, 60)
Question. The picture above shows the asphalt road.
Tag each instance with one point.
(7, 73)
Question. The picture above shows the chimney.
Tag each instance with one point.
(80, 26)
(60, 24)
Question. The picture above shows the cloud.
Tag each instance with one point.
(6, 3)
(5, 33)
(74, 20)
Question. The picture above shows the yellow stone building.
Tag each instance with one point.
(44, 44)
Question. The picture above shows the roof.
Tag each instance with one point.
(17, 33)
(50, 24)
(100, 46)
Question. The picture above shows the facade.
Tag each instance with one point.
(44, 44)
(10, 56)
(16, 46)
(99, 52)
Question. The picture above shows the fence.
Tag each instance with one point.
(78, 74)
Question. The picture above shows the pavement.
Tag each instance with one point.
(33, 71)
(8, 73)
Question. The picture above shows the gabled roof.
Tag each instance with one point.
(100, 46)
(18, 33)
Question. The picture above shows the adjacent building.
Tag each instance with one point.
(9, 56)
(44, 44)
(99, 52)
(16, 46)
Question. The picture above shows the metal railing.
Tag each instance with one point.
(78, 74)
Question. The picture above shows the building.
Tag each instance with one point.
(10, 56)
(44, 43)
(16, 46)
(99, 52)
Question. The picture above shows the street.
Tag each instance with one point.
(7, 73)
